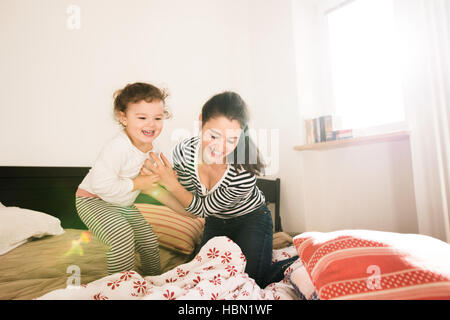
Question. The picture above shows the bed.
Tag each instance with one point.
(51, 262)
(44, 264)
(71, 264)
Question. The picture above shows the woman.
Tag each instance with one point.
(214, 176)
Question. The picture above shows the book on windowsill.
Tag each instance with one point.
(343, 134)
(309, 128)
(321, 130)
(317, 137)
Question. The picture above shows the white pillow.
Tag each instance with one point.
(17, 225)
(301, 281)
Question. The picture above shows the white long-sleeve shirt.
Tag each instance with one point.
(111, 177)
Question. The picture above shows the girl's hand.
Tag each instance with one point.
(167, 176)
(144, 182)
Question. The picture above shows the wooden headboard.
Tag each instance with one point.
(271, 190)
(46, 189)
(52, 190)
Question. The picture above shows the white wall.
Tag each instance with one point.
(360, 187)
(363, 187)
(57, 87)
(57, 84)
(274, 98)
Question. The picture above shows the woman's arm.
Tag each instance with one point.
(201, 205)
(167, 199)
(175, 197)
(162, 195)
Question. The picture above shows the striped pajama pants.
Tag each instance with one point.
(125, 231)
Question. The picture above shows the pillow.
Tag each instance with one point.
(281, 240)
(145, 198)
(363, 264)
(17, 225)
(174, 231)
(301, 282)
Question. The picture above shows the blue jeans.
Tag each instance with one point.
(253, 233)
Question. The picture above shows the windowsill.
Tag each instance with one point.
(386, 137)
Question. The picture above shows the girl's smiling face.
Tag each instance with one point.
(143, 122)
(220, 137)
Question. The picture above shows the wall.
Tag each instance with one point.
(274, 88)
(360, 187)
(363, 187)
(57, 87)
(57, 83)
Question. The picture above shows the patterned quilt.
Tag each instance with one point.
(216, 272)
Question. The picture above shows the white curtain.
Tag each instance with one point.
(425, 32)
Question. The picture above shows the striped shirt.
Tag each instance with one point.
(234, 195)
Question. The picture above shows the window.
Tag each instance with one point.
(365, 69)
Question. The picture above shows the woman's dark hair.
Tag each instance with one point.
(135, 92)
(231, 106)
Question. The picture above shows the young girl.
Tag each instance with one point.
(104, 199)
(215, 178)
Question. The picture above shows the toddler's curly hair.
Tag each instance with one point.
(138, 91)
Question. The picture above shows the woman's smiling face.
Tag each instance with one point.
(220, 137)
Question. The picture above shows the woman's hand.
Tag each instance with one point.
(167, 176)
(175, 196)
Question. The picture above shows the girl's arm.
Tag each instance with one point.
(143, 182)
(105, 180)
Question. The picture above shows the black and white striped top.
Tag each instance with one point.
(234, 195)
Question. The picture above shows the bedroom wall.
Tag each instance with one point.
(58, 85)
(366, 187)
(355, 187)
(360, 187)
(274, 97)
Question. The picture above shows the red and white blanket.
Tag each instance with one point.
(217, 272)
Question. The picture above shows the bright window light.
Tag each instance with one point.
(367, 89)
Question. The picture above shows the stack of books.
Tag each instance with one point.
(321, 130)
